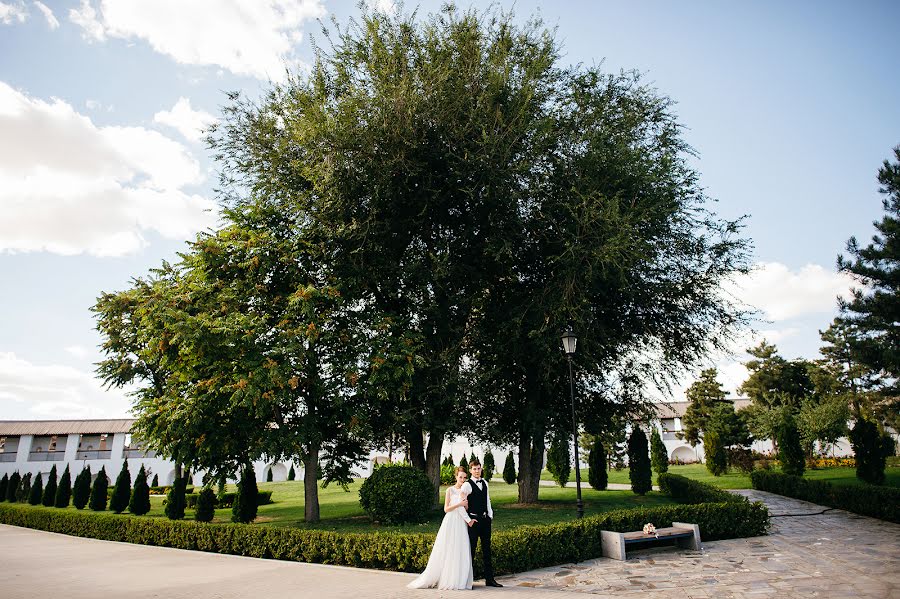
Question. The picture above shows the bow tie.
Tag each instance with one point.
(477, 480)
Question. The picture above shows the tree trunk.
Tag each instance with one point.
(177, 471)
(311, 484)
(416, 447)
(433, 463)
(531, 442)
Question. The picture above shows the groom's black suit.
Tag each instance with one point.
(478, 509)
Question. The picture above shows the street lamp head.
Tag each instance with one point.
(569, 339)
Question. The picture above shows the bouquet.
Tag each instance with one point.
(649, 529)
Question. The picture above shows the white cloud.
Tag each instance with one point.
(11, 12)
(29, 390)
(70, 187)
(187, 121)
(246, 38)
(52, 21)
(782, 294)
(78, 351)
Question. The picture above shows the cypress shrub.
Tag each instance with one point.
(13, 486)
(488, 465)
(659, 457)
(4, 485)
(175, 501)
(715, 454)
(122, 491)
(98, 491)
(463, 463)
(155, 482)
(64, 490)
(269, 476)
(206, 505)
(597, 476)
(50, 490)
(396, 495)
(639, 471)
(558, 459)
(448, 461)
(790, 451)
(24, 488)
(868, 448)
(37, 490)
(509, 469)
(292, 475)
(140, 496)
(245, 502)
(81, 491)
(472, 458)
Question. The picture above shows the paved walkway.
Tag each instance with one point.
(831, 554)
(835, 554)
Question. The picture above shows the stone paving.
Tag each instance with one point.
(807, 554)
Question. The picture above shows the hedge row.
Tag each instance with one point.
(869, 500)
(227, 499)
(524, 548)
(686, 490)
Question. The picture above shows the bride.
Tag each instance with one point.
(450, 563)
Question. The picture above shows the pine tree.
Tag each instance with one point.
(703, 396)
(81, 491)
(245, 506)
(489, 464)
(155, 482)
(140, 496)
(659, 457)
(472, 457)
(790, 450)
(37, 490)
(269, 476)
(50, 490)
(509, 469)
(176, 502)
(597, 476)
(639, 470)
(13, 487)
(292, 475)
(4, 484)
(64, 490)
(714, 453)
(122, 491)
(206, 505)
(867, 447)
(448, 461)
(463, 463)
(24, 488)
(558, 459)
(99, 491)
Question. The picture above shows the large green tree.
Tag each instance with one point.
(704, 396)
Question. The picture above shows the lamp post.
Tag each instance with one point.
(569, 340)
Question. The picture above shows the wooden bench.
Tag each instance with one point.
(614, 544)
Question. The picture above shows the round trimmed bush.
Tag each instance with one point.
(397, 494)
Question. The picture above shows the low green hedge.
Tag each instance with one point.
(869, 500)
(518, 550)
(686, 490)
(227, 499)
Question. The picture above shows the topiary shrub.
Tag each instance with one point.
(155, 482)
(715, 454)
(245, 503)
(659, 457)
(24, 489)
(597, 476)
(463, 463)
(99, 491)
(558, 459)
(206, 505)
(37, 491)
(139, 503)
(175, 501)
(639, 470)
(81, 491)
(869, 450)
(13, 487)
(269, 476)
(790, 451)
(397, 494)
(292, 475)
(4, 485)
(509, 469)
(488, 465)
(50, 490)
(122, 492)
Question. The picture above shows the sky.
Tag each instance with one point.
(790, 106)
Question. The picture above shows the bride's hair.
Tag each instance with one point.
(458, 470)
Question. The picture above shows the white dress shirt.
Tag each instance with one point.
(474, 481)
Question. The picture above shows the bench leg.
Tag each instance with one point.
(612, 544)
(689, 542)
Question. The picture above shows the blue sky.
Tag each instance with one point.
(790, 106)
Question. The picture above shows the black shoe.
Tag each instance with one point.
(492, 583)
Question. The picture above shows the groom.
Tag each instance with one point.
(481, 512)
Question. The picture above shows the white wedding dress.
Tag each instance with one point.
(450, 563)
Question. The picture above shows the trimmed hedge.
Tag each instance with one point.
(525, 548)
(687, 490)
(868, 500)
(227, 499)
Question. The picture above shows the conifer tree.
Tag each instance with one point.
(292, 475)
(64, 490)
(472, 457)
(99, 491)
(597, 476)
(509, 469)
(4, 484)
(245, 506)
(639, 470)
(558, 459)
(13, 487)
(489, 464)
(24, 488)
(176, 500)
(269, 476)
(867, 448)
(155, 482)
(206, 505)
(81, 491)
(37, 490)
(714, 453)
(50, 490)
(122, 491)
(659, 457)
(790, 450)
(463, 463)
(140, 496)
